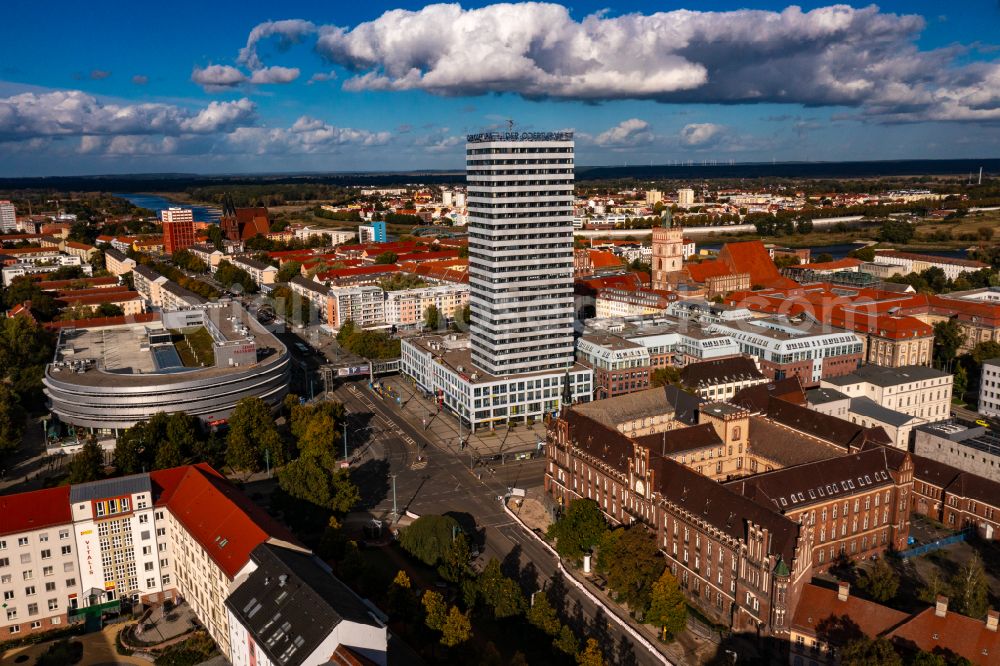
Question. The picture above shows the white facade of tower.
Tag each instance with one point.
(8, 216)
(520, 205)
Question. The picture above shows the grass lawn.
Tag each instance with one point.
(194, 346)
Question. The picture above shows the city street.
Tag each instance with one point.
(441, 482)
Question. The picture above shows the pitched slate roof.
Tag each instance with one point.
(292, 602)
(786, 446)
(823, 426)
(681, 439)
(720, 371)
(793, 488)
(638, 405)
(865, 406)
(756, 398)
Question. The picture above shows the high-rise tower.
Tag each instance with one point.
(520, 204)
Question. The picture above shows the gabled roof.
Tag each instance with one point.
(962, 635)
(820, 606)
(864, 406)
(828, 428)
(787, 447)
(721, 371)
(35, 510)
(675, 441)
(792, 488)
(722, 507)
(226, 523)
(756, 398)
(640, 404)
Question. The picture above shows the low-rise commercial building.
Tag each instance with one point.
(442, 366)
(620, 366)
(785, 347)
(989, 388)
(915, 390)
(972, 449)
(721, 379)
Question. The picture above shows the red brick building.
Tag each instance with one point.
(177, 235)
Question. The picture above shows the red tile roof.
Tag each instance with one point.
(962, 635)
(835, 265)
(701, 272)
(751, 257)
(53, 285)
(818, 605)
(374, 269)
(97, 322)
(35, 510)
(108, 296)
(226, 523)
(601, 259)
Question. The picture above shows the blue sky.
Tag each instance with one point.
(328, 86)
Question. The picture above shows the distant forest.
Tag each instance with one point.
(799, 170)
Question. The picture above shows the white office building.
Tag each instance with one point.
(8, 217)
(989, 388)
(176, 214)
(520, 201)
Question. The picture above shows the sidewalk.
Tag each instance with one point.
(443, 427)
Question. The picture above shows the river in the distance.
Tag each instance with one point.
(840, 250)
(157, 203)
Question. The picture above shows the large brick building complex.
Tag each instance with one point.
(741, 549)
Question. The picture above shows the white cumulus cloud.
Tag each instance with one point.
(75, 113)
(218, 77)
(290, 31)
(699, 134)
(830, 56)
(275, 74)
(306, 135)
(631, 132)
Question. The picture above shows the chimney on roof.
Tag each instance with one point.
(843, 590)
(992, 618)
(941, 606)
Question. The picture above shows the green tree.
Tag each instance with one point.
(631, 562)
(895, 231)
(455, 563)
(824, 257)
(948, 338)
(985, 351)
(667, 608)
(288, 270)
(866, 253)
(786, 260)
(463, 316)
(932, 587)
(428, 537)
(881, 582)
(579, 529)
(215, 236)
(87, 464)
(804, 226)
(665, 377)
(11, 421)
(591, 654)
(499, 592)
(870, 652)
(23, 289)
(960, 383)
(135, 449)
(566, 642)
(433, 319)
(456, 629)
(435, 610)
(543, 616)
(318, 480)
(387, 258)
(969, 589)
(400, 597)
(252, 432)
